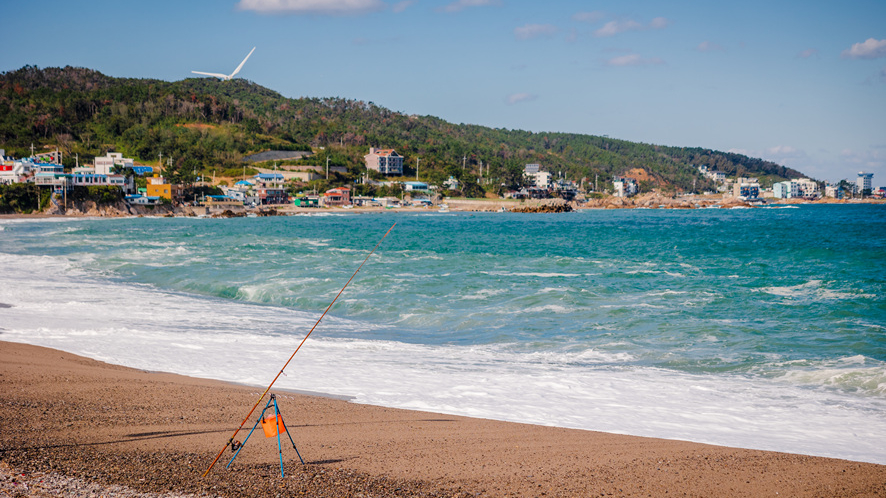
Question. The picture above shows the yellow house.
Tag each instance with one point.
(157, 187)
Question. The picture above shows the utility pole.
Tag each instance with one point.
(327, 167)
(417, 159)
(464, 159)
(596, 176)
(32, 149)
(161, 163)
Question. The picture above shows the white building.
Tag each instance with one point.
(786, 190)
(537, 177)
(833, 191)
(58, 181)
(104, 165)
(717, 176)
(625, 187)
(863, 182)
(93, 180)
(385, 161)
(14, 171)
(235, 194)
(410, 186)
(48, 168)
(791, 189)
(142, 200)
(808, 188)
(542, 179)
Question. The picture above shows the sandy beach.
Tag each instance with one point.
(94, 426)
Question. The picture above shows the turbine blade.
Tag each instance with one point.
(241, 64)
(217, 75)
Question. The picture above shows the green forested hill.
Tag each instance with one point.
(209, 125)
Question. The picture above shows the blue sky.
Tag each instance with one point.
(799, 83)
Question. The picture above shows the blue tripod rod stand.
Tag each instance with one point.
(278, 426)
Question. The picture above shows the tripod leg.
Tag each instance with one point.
(260, 417)
(277, 420)
(242, 444)
(291, 441)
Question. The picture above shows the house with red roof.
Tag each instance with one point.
(339, 196)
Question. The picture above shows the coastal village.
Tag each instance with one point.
(279, 190)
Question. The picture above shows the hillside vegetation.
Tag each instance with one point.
(207, 126)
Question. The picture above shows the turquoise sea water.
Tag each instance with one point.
(761, 328)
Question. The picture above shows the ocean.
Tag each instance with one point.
(752, 328)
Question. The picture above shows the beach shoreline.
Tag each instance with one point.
(646, 201)
(158, 432)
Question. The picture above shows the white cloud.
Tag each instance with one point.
(869, 49)
(782, 150)
(590, 17)
(463, 4)
(659, 23)
(873, 158)
(633, 60)
(401, 6)
(809, 52)
(613, 28)
(534, 31)
(516, 98)
(707, 46)
(312, 7)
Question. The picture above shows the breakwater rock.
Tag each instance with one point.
(546, 207)
(227, 213)
(658, 201)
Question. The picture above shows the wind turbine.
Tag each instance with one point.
(226, 77)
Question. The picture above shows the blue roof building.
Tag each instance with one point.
(269, 177)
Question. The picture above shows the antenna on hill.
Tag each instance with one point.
(226, 77)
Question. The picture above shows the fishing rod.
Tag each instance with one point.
(231, 440)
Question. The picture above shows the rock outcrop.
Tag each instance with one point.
(546, 206)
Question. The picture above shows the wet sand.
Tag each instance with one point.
(64, 416)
